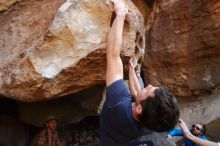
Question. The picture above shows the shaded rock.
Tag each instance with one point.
(213, 130)
(144, 7)
(8, 106)
(69, 109)
(182, 46)
(203, 109)
(83, 133)
(12, 132)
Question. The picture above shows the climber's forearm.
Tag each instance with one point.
(134, 84)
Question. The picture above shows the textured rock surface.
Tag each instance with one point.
(143, 7)
(213, 130)
(183, 46)
(68, 109)
(5, 4)
(204, 109)
(47, 53)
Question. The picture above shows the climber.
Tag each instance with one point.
(122, 121)
(49, 135)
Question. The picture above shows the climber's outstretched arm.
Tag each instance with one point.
(114, 43)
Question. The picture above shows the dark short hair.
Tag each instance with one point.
(160, 113)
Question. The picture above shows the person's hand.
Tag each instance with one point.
(132, 63)
(185, 129)
(119, 7)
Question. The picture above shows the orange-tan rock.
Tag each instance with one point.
(183, 46)
(50, 49)
(5, 4)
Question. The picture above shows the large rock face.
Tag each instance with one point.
(183, 46)
(5, 4)
(50, 48)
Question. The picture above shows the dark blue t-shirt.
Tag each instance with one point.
(117, 125)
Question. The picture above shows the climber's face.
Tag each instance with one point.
(146, 93)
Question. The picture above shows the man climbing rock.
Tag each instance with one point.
(122, 121)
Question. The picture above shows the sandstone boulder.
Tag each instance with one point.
(49, 49)
(5, 4)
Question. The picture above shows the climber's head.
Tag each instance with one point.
(157, 108)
